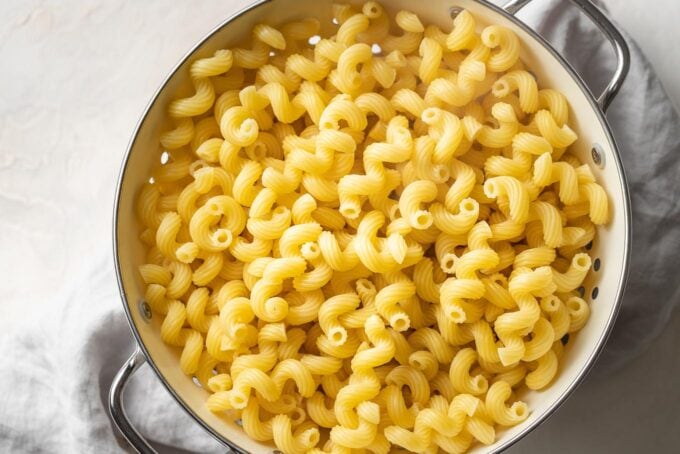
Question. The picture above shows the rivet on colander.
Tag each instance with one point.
(455, 11)
(589, 246)
(596, 265)
(196, 381)
(596, 291)
(598, 155)
(581, 291)
(145, 310)
(239, 422)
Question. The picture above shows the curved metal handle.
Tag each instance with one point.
(613, 35)
(116, 409)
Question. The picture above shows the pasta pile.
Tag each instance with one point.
(369, 242)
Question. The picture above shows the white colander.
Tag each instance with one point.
(610, 250)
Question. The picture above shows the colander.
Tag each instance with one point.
(595, 146)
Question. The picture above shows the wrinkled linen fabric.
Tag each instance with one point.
(60, 355)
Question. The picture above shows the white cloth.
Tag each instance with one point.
(64, 334)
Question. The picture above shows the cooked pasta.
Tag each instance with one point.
(369, 243)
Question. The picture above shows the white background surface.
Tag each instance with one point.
(74, 78)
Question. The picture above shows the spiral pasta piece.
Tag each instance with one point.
(201, 71)
(506, 46)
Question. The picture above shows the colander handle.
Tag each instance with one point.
(613, 35)
(117, 410)
(136, 440)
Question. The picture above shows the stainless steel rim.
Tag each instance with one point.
(598, 105)
(116, 408)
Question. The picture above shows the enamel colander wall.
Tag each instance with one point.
(610, 250)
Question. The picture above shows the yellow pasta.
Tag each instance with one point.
(371, 242)
(499, 412)
(508, 126)
(431, 52)
(505, 45)
(514, 192)
(521, 81)
(415, 194)
(463, 33)
(460, 91)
